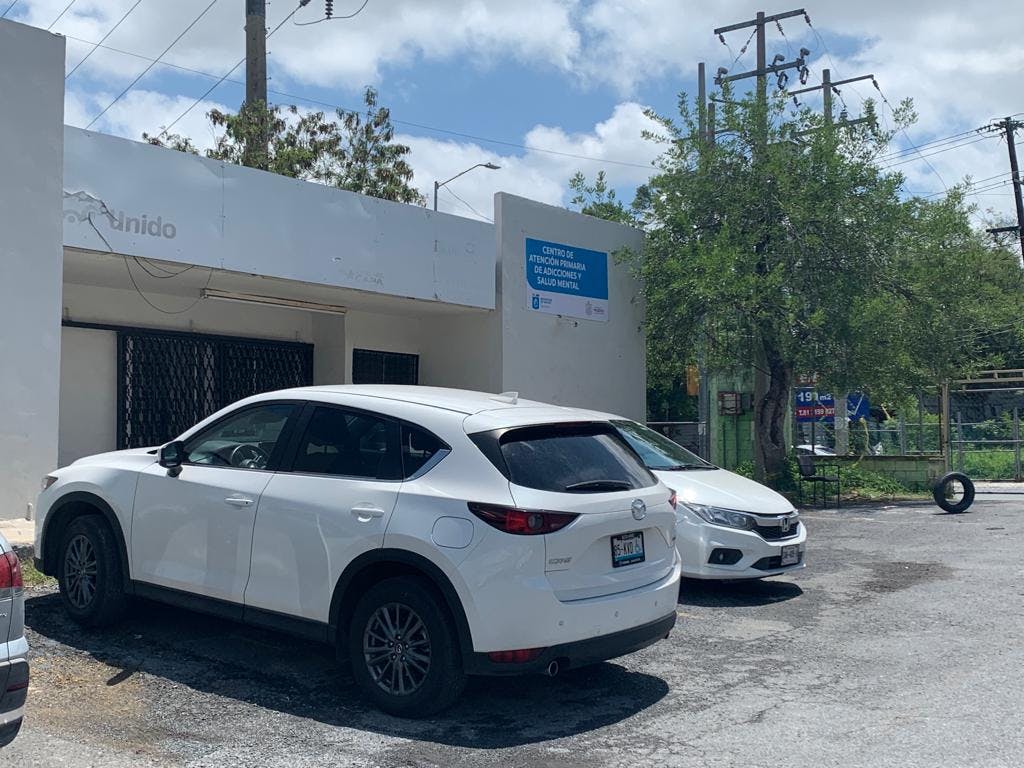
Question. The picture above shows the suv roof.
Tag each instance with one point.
(484, 410)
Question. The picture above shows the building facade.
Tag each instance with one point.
(142, 288)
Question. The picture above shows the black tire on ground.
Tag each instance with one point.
(939, 492)
(429, 631)
(88, 548)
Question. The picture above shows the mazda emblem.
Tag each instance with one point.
(639, 509)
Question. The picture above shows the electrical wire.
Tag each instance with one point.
(8, 9)
(102, 40)
(212, 88)
(131, 276)
(925, 156)
(330, 105)
(154, 63)
(332, 18)
(61, 14)
(878, 88)
(470, 207)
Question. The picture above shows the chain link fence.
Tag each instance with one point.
(984, 425)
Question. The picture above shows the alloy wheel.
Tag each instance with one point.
(396, 648)
(80, 571)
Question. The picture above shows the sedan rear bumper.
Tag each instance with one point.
(581, 652)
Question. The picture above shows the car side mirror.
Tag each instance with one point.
(172, 456)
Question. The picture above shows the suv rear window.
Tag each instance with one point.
(566, 458)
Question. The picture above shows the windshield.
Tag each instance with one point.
(656, 450)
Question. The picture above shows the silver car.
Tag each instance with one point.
(13, 645)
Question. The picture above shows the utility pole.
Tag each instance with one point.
(1008, 126)
(827, 88)
(256, 76)
(763, 68)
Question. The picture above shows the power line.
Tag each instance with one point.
(470, 207)
(8, 9)
(61, 14)
(925, 156)
(330, 17)
(948, 141)
(102, 40)
(907, 135)
(318, 102)
(154, 63)
(241, 61)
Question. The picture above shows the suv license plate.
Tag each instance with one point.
(790, 555)
(627, 549)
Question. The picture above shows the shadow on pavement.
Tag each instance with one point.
(302, 678)
(728, 594)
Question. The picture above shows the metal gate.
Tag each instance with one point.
(984, 417)
(167, 381)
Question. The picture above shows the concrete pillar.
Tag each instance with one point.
(31, 255)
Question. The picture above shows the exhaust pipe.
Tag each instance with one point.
(552, 669)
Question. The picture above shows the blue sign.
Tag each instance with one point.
(811, 405)
(566, 280)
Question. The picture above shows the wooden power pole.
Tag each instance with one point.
(1008, 126)
(256, 76)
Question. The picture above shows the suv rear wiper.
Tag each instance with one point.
(600, 485)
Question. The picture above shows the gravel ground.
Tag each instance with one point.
(899, 645)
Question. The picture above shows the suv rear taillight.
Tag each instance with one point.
(10, 572)
(522, 522)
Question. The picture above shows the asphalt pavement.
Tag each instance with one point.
(899, 645)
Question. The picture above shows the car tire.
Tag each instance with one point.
(939, 492)
(89, 573)
(416, 674)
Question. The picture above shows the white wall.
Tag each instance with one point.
(462, 351)
(31, 151)
(88, 393)
(578, 362)
(215, 214)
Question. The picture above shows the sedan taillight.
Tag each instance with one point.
(522, 522)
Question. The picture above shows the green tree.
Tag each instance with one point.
(792, 249)
(598, 199)
(357, 151)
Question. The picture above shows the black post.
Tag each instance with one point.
(1011, 126)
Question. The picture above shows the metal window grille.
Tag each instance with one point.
(168, 381)
(373, 367)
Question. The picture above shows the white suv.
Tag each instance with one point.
(429, 533)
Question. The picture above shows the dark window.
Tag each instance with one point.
(168, 381)
(418, 448)
(573, 458)
(373, 367)
(246, 439)
(658, 451)
(349, 444)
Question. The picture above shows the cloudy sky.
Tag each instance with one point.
(546, 87)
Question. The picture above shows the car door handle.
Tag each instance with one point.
(238, 501)
(366, 513)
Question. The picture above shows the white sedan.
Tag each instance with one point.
(728, 527)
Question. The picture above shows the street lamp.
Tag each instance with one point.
(438, 185)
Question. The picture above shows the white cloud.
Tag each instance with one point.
(348, 52)
(538, 175)
(140, 111)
